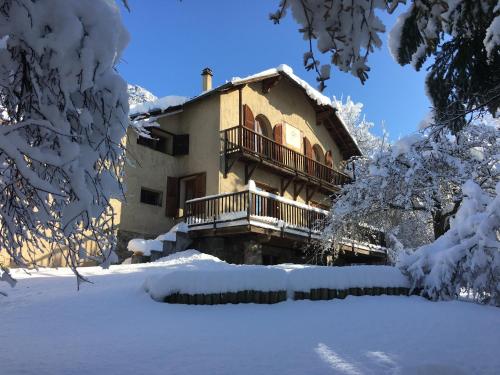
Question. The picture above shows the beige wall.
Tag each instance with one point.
(43, 256)
(150, 168)
(200, 120)
(203, 120)
(284, 103)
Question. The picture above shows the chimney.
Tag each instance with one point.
(206, 79)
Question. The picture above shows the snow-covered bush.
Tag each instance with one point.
(192, 272)
(64, 113)
(467, 256)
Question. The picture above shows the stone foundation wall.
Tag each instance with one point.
(247, 250)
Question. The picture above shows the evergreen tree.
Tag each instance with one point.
(462, 38)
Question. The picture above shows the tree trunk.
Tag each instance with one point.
(441, 220)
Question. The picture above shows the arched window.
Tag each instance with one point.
(262, 127)
(318, 154)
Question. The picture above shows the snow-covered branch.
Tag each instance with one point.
(64, 113)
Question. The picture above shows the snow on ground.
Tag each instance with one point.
(113, 327)
(147, 246)
(203, 274)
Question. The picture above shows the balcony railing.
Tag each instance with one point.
(255, 208)
(261, 209)
(248, 142)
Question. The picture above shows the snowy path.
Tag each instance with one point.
(114, 327)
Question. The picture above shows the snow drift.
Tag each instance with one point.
(191, 272)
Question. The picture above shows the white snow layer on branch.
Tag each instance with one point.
(465, 257)
(65, 113)
(349, 30)
(492, 39)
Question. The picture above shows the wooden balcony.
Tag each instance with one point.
(259, 212)
(240, 143)
(254, 208)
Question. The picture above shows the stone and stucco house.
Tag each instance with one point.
(250, 165)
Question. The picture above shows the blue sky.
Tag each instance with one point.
(172, 41)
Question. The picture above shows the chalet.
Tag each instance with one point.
(250, 166)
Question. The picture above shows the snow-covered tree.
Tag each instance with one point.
(65, 111)
(139, 95)
(398, 225)
(467, 257)
(417, 181)
(461, 36)
(351, 114)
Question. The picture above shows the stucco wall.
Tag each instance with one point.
(200, 120)
(149, 168)
(284, 103)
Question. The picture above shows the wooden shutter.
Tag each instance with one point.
(278, 138)
(329, 159)
(278, 133)
(248, 118)
(172, 200)
(181, 144)
(308, 152)
(248, 123)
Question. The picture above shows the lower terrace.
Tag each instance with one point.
(256, 211)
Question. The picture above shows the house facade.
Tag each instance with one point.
(250, 166)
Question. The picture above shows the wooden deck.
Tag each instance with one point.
(262, 214)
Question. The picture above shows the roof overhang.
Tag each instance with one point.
(326, 114)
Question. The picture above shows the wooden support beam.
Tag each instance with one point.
(269, 83)
(321, 116)
(229, 162)
(297, 189)
(285, 183)
(249, 169)
(310, 191)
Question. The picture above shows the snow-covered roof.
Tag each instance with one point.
(337, 128)
(314, 94)
(160, 104)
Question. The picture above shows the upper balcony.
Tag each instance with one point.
(242, 143)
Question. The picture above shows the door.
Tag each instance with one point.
(266, 206)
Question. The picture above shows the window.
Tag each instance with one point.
(160, 141)
(151, 197)
(318, 154)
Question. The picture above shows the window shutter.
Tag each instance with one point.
(308, 152)
(278, 133)
(248, 118)
(278, 138)
(181, 144)
(172, 200)
(248, 123)
(329, 159)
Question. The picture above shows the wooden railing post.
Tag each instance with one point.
(240, 136)
(249, 202)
